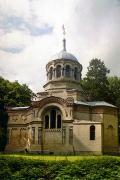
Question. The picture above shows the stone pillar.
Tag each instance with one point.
(72, 70)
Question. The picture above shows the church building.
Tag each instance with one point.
(60, 120)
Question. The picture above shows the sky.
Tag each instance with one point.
(31, 33)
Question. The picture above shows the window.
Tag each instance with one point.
(52, 119)
(58, 71)
(59, 121)
(46, 122)
(68, 71)
(51, 73)
(71, 135)
(92, 132)
(63, 71)
(39, 135)
(33, 135)
(76, 73)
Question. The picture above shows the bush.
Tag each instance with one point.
(12, 168)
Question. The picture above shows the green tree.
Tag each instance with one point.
(114, 93)
(114, 90)
(95, 84)
(14, 94)
(3, 127)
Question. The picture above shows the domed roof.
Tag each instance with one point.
(64, 55)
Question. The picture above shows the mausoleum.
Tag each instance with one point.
(60, 120)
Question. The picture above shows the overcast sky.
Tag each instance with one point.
(31, 32)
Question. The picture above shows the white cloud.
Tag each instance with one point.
(92, 31)
(17, 8)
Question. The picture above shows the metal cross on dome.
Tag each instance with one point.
(64, 40)
(64, 32)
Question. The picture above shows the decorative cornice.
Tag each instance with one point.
(24, 125)
(52, 99)
(62, 80)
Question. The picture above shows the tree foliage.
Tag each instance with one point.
(98, 86)
(3, 127)
(14, 94)
(114, 90)
(95, 84)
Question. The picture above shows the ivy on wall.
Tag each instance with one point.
(3, 127)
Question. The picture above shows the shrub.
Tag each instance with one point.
(26, 169)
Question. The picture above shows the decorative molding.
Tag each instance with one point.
(53, 130)
(67, 121)
(22, 129)
(51, 99)
(24, 125)
(70, 100)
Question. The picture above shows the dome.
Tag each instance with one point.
(64, 55)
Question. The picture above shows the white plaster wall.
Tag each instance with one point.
(81, 138)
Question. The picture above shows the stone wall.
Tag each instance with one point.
(110, 133)
(72, 137)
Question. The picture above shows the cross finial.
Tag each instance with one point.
(64, 30)
(64, 40)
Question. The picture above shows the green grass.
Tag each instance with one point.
(56, 157)
(49, 157)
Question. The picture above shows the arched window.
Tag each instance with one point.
(68, 69)
(51, 73)
(92, 132)
(76, 73)
(63, 71)
(58, 71)
(59, 121)
(46, 122)
(52, 119)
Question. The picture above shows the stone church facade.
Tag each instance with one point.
(60, 120)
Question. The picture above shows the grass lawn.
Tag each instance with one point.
(57, 157)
